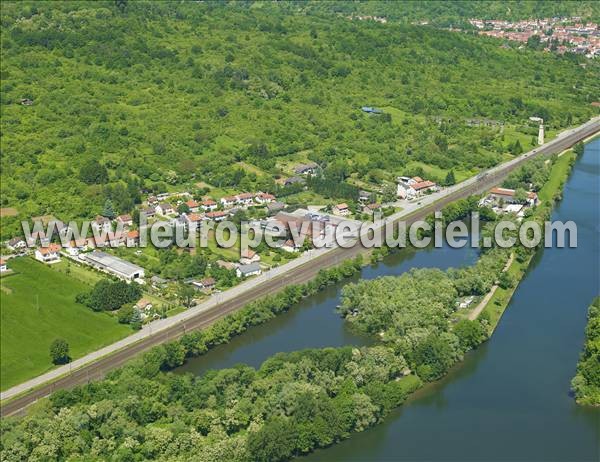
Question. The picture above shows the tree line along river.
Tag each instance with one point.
(509, 400)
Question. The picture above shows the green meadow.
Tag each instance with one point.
(38, 305)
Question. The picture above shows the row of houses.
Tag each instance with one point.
(209, 205)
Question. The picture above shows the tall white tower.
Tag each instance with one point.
(541, 134)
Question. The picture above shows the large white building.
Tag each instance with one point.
(114, 265)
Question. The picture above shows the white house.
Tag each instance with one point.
(248, 256)
(228, 201)
(50, 254)
(244, 199)
(16, 243)
(75, 246)
(164, 209)
(3, 267)
(217, 215)
(193, 205)
(341, 210)
(245, 271)
(208, 205)
(265, 198)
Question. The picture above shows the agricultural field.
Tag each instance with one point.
(37, 306)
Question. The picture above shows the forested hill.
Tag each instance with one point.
(446, 13)
(162, 93)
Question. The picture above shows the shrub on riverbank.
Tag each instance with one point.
(586, 384)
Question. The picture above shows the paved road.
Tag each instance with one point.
(303, 269)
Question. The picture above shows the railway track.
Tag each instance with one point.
(298, 275)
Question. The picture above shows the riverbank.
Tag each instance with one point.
(586, 384)
(549, 193)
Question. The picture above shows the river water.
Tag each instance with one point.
(509, 400)
(314, 323)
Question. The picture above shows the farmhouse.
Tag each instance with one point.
(3, 266)
(248, 256)
(50, 254)
(114, 265)
(248, 270)
(409, 188)
(341, 210)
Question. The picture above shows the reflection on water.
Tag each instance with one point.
(314, 323)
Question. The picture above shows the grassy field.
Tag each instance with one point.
(37, 306)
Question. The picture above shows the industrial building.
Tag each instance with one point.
(114, 265)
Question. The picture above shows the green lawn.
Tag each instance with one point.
(38, 305)
(560, 172)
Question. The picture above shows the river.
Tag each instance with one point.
(509, 400)
(314, 323)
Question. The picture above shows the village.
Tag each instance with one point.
(558, 34)
(114, 248)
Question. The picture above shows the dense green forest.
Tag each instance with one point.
(586, 384)
(148, 96)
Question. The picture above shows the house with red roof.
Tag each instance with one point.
(208, 205)
(341, 210)
(49, 254)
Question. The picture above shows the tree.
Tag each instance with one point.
(110, 295)
(579, 148)
(125, 314)
(389, 193)
(186, 294)
(183, 208)
(136, 319)
(92, 172)
(520, 195)
(59, 351)
(450, 179)
(108, 211)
